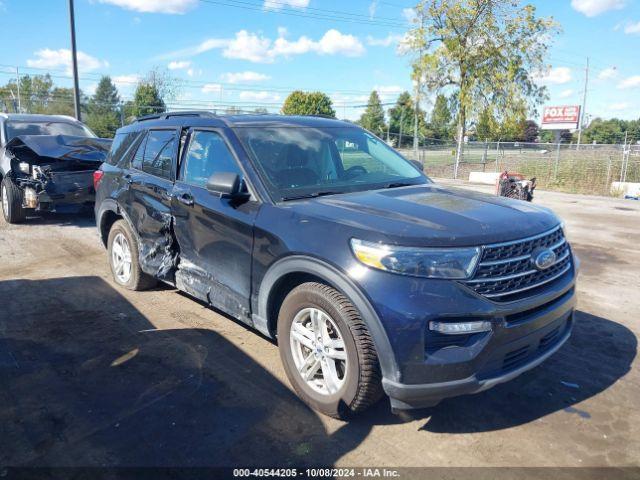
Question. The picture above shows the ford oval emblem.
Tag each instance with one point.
(543, 258)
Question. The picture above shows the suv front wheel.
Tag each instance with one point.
(327, 352)
(12, 209)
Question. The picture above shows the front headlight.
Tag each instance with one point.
(24, 167)
(451, 263)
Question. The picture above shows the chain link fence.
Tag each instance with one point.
(588, 169)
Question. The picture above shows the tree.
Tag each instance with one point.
(308, 103)
(373, 117)
(35, 93)
(531, 131)
(486, 127)
(38, 94)
(612, 131)
(103, 111)
(488, 51)
(441, 118)
(146, 101)
(62, 102)
(402, 118)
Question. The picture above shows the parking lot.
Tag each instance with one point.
(94, 375)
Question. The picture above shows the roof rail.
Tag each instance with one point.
(321, 115)
(184, 113)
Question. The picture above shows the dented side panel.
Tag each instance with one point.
(215, 239)
(148, 208)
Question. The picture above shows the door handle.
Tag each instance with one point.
(127, 178)
(185, 198)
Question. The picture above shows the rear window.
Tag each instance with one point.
(156, 152)
(16, 128)
(121, 144)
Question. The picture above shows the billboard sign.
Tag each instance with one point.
(565, 117)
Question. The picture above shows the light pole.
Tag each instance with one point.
(74, 60)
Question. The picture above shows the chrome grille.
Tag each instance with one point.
(506, 270)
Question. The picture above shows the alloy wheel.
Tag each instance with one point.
(318, 351)
(121, 258)
(5, 202)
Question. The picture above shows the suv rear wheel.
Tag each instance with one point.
(327, 352)
(12, 202)
(122, 248)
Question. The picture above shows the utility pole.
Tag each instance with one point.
(415, 121)
(74, 60)
(401, 121)
(18, 87)
(417, 93)
(584, 104)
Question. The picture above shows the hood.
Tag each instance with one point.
(59, 147)
(430, 215)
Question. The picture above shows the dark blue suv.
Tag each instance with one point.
(313, 231)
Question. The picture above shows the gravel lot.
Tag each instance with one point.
(93, 375)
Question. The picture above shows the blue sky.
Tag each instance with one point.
(253, 52)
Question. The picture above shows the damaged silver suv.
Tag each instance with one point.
(47, 164)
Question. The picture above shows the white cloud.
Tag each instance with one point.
(631, 82)
(409, 14)
(617, 107)
(608, 73)
(334, 42)
(248, 46)
(593, 8)
(123, 79)
(566, 93)
(179, 65)
(155, 6)
(212, 88)
(278, 4)
(387, 90)
(47, 58)
(205, 46)
(554, 76)
(373, 6)
(391, 39)
(244, 77)
(257, 48)
(126, 83)
(91, 88)
(260, 96)
(632, 28)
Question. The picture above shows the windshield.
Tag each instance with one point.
(15, 129)
(298, 162)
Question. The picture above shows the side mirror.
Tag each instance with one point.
(418, 165)
(225, 184)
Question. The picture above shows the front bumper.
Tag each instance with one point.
(65, 192)
(405, 397)
(433, 366)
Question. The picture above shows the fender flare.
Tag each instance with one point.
(340, 281)
(111, 205)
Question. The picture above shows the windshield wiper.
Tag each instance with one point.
(310, 195)
(398, 185)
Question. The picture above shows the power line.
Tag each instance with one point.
(188, 83)
(315, 16)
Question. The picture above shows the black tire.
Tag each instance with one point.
(13, 212)
(362, 385)
(138, 280)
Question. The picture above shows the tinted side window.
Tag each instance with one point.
(120, 145)
(159, 152)
(136, 162)
(208, 154)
